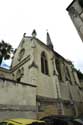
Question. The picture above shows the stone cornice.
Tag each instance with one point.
(26, 59)
(51, 100)
(8, 107)
(45, 99)
(15, 82)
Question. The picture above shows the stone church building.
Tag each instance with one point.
(40, 83)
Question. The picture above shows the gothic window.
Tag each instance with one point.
(21, 53)
(58, 69)
(44, 63)
(75, 81)
(54, 72)
(67, 75)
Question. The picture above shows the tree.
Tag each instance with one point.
(5, 51)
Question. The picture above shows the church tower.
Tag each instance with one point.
(75, 10)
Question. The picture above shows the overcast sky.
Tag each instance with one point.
(19, 16)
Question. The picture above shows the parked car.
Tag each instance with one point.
(21, 121)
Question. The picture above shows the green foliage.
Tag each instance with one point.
(5, 51)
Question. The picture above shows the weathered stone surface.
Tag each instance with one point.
(29, 90)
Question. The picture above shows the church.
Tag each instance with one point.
(40, 83)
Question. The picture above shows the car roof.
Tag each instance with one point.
(23, 121)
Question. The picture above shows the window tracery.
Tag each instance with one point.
(44, 63)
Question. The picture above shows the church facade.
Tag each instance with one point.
(40, 83)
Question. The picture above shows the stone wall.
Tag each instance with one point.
(5, 73)
(48, 85)
(17, 99)
(46, 82)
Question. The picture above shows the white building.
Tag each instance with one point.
(40, 83)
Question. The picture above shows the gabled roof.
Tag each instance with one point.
(56, 53)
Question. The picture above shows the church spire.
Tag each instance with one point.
(49, 43)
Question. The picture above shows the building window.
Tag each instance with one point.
(67, 75)
(44, 63)
(74, 77)
(21, 54)
(57, 62)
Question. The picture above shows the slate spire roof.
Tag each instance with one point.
(49, 42)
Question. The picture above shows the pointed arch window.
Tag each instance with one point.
(44, 63)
